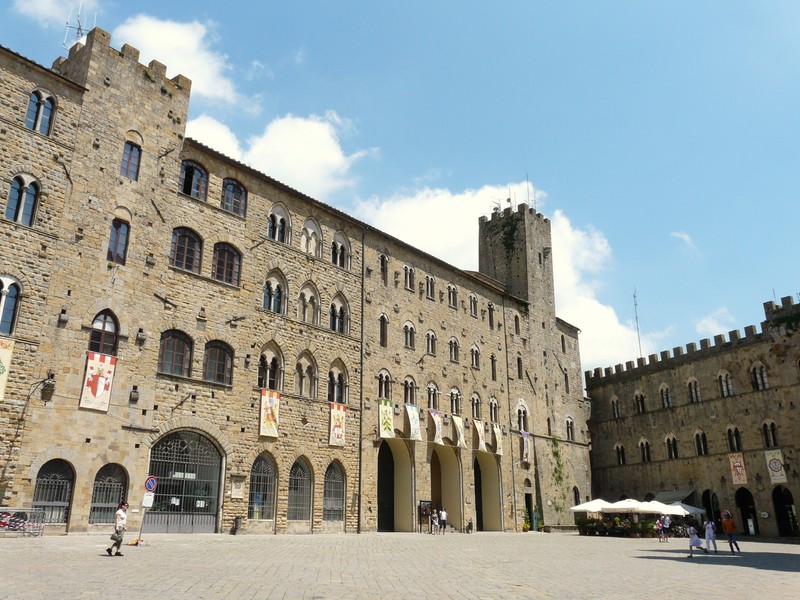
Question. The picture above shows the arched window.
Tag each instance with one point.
(261, 503)
(693, 388)
(23, 199)
(563, 344)
(186, 252)
(476, 406)
(701, 443)
(306, 376)
(131, 155)
(333, 494)
(409, 390)
(666, 396)
(308, 304)
(493, 364)
(734, 439)
(340, 250)
(672, 447)
(491, 315)
(724, 383)
(383, 262)
(110, 488)
(41, 109)
(433, 396)
(175, 354)
(299, 505)
(218, 363)
(118, 242)
(408, 277)
(339, 315)
(453, 350)
(473, 305)
(519, 368)
(644, 447)
(430, 343)
(516, 324)
(452, 296)
(638, 404)
(311, 238)
(455, 401)
(494, 410)
(408, 335)
(566, 382)
(383, 334)
(270, 368)
(576, 496)
(9, 303)
(227, 264)
(758, 378)
(620, 451)
(234, 197)
(570, 429)
(103, 338)
(769, 432)
(430, 287)
(384, 385)
(475, 357)
(194, 180)
(278, 224)
(337, 384)
(275, 293)
(522, 418)
(53, 491)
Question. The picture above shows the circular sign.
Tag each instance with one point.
(151, 484)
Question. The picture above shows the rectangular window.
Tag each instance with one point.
(130, 161)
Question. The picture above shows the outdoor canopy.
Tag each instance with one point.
(596, 505)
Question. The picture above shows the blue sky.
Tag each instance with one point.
(661, 138)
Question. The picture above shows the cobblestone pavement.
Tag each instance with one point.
(392, 565)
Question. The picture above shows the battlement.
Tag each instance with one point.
(787, 314)
(521, 209)
(77, 64)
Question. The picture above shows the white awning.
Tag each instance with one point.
(673, 496)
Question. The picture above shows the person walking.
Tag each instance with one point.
(660, 528)
(443, 520)
(729, 527)
(665, 523)
(120, 521)
(711, 534)
(694, 541)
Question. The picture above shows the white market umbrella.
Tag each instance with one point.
(596, 505)
(690, 510)
(628, 505)
(659, 508)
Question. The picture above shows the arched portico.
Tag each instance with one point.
(395, 486)
(488, 493)
(446, 488)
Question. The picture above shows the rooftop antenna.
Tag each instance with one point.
(636, 316)
(78, 28)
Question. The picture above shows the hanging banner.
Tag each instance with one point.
(458, 431)
(6, 351)
(96, 393)
(526, 447)
(386, 419)
(479, 432)
(738, 470)
(775, 466)
(498, 440)
(338, 412)
(436, 416)
(270, 413)
(413, 422)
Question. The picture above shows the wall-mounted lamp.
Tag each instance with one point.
(141, 336)
(48, 386)
(246, 360)
(134, 395)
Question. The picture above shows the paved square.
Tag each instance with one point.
(392, 565)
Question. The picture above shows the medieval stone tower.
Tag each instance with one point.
(544, 385)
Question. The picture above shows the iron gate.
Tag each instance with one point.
(188, 467)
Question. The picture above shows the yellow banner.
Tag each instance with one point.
(386, 419)
(414, 432)
(458, 430)
(498, 439)
(436, 417)
(738, 470)
(526, 447)
(479, 432)
(270, 413)
(338, 413)
(6, 351)
(774, 460)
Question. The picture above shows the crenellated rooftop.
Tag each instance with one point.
(506, 212)
(777, 318)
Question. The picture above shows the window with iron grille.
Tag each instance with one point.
(333, 495)
(261, 504)
(53, 491)
(299, 506)
(108, 491)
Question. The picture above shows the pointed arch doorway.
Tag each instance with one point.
(785, 512)
(747, 510)
(395, 487)
(488, 509)
(446, 489)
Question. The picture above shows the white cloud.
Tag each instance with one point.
(719, 321)
(54, 13)
(302, 152)
(185, 48)
(685, 238)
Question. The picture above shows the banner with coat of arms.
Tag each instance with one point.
(413, 422)
(436, 416)
(269, 415)
(526, 447)
(479, 432)
(774, 459)
(338, 412)
(738, 470)
(6, 351)
(498, 439)
(385, 419)
(458, 431)
(96, 392)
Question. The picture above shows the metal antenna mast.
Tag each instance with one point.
(636, 316)
(78, 29)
